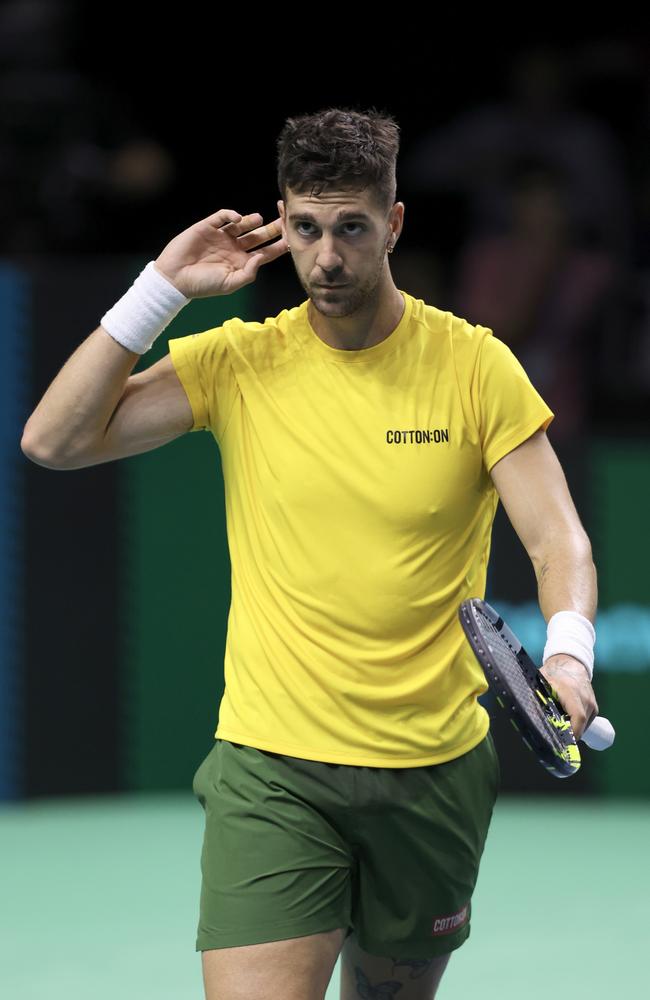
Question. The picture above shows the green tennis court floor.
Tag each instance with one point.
(99, 898)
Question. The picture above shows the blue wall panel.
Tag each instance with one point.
(14, 393)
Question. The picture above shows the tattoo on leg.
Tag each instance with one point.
(418, 965)
(390, 987)
(382, 991)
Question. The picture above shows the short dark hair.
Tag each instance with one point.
(339, 149)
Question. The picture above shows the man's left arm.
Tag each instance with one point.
(533, 489)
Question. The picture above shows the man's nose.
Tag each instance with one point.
(328, 257)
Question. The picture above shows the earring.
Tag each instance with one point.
(391, 248)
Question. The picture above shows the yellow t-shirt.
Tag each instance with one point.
(359, 510)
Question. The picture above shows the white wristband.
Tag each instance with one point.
(150, 305)
(570, 632)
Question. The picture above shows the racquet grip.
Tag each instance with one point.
(600, 734)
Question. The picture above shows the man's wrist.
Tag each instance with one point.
(560, 660)
(143, 312)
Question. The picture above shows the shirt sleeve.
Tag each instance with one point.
(509, 406)
(203, 365)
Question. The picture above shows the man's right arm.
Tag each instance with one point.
(95, 411)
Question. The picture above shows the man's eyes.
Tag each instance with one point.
(355, 225)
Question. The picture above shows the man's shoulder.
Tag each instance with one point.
(242, 329)
(260, 343)
(459, 329)
(285, 318)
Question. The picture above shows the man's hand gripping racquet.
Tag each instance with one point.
(533, 705)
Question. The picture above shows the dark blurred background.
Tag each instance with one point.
(525, 174)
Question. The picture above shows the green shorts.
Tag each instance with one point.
(294, 847)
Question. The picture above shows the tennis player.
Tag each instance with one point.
(366, 437)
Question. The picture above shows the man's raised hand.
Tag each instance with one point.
(212, 256)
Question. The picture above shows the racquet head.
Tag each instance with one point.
(520, 689)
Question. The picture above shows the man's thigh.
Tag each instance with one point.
(365, 975)
(418, 836)
(273, 867)
(295, 969)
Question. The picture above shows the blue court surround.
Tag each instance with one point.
(14, 385)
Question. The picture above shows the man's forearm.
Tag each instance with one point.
(80, 401)
(567, 579)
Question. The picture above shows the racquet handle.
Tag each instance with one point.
(600, 734)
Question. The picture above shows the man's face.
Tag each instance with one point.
(338, 238)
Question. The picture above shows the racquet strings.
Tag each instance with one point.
(510, 671)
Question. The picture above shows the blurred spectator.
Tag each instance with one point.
(543, 290)
(549, 220)
(73, 162)
(473, 153)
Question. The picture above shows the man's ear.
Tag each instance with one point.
(280, 204)
(397, 214)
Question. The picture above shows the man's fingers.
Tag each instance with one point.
(260, 235)
(233, 222)
(223, 217)
(246, 228)
(243, 224)
(272, 251)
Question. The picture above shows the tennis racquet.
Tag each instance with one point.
(522, 690)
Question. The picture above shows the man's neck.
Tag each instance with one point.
(371, 324)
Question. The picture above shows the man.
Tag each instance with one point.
(365, 439)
